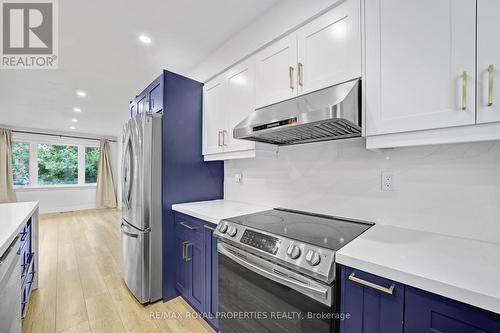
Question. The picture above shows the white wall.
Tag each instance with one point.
(279, 20)
(64, 198)
(449, 189)
(60, 199)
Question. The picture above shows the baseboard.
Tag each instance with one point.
(45, 210)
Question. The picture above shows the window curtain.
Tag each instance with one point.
(6, 182)
(106, 195)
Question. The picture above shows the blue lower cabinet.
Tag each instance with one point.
(373, 304)
(212, 274)
(427, 312)
(27, 262)
(378, 305)
(196, 265)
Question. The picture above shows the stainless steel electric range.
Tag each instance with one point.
(277, 270)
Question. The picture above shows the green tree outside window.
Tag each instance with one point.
(57, 164)
(21, 163)
(91, 164)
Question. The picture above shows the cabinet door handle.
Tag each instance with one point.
(299, 73)
(372, 285)
(464, 90)
(187, 226)
(206, 226)
(290, 76)
(187, 258)
(184, 250)
(491, 70)
(224, 133)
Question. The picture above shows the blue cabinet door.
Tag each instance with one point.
(132, 108)
(182, 273)
(370, 310)
(190, 260)
(195, 254)
(427, 312)
(156, 97)
(212, 276)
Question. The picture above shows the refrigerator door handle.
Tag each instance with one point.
(127, 172)
(126, 233)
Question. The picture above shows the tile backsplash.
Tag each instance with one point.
(448, 189)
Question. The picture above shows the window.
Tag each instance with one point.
(91, 164)
(21, 163)
(57, 164)
(41, 161)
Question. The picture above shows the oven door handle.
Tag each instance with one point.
(282, 279)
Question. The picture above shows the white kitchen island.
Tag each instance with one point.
(18, 261)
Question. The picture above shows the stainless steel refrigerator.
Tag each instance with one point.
(141, 228)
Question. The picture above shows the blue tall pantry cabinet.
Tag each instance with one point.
(186, 177)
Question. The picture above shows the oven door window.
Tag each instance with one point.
(249, 302)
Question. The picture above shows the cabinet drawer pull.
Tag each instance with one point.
(206, 226)
(187, 226)
(299, 74)
(290, 76)
(464, 90)
(372, 285)
(218, 139)
(491, 70)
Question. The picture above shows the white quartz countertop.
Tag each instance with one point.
(12, 217)
(216, 210)
(462, 269)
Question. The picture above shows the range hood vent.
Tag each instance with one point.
(328, 114)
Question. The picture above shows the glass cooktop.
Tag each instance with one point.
(320, 230)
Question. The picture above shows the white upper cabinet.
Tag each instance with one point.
(488, 61)
(329, 48)
(228, 99)
(324, 52)
(420, 64)
(214, 113)
(275, 80)
(240, 82)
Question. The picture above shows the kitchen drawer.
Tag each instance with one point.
(27, 287)
(189, 224)
(427, 312)
(372, 301)
(27, 271)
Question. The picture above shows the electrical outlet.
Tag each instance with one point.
(387, 181)
(238, 177)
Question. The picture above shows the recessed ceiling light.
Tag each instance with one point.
(77, 109)
(74, 120)
(81, 93)
(72, 127)
(145, 39)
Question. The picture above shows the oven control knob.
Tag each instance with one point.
(313, 258)
(293, 251)
(222, 228)
(232, 231)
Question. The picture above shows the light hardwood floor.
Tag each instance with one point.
(80, 284)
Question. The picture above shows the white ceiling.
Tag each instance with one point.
(99, 53)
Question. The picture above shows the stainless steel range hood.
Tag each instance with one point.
(328, 114)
